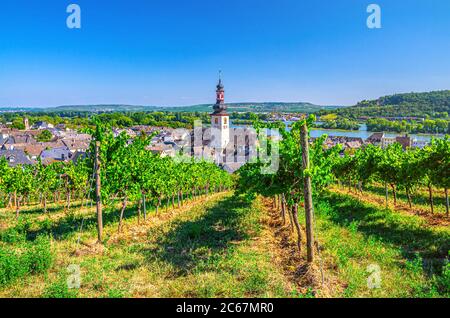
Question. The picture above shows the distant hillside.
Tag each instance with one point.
(101, 108)
(433, 104)
(232, 107)
(257, 107)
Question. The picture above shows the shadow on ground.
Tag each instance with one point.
(51, 208)
(416, 199)
(411, 237)
(71, 223)
(190, 243)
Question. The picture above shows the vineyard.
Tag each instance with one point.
(124, 222)
(306, 178)
(130, 173)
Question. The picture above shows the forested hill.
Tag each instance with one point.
(433, 104)
(438, 100)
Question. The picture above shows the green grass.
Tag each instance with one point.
(31, 258)
(410, 254)
(217, 247)
(212, 249)
(214, 254)
(419, 197)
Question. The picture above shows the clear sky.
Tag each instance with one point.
(168, 52)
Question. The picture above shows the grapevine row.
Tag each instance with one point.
(129, 172)
(399, 169)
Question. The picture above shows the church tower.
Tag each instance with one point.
(26, 123)
(220, 120)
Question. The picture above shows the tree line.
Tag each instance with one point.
(430, 126)
(339, 123)
(121, 119)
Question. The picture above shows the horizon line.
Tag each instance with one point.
(171, 106)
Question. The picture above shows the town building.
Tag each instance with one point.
(375, 139)
(16, 157)
(404, 141)
(387, 141)
(42, 125)
(56, 154)
(26, 123)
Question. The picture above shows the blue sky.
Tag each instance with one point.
(168, 52)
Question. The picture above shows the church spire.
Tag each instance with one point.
(220, 107)
(220, 85)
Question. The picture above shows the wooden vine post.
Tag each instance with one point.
(309, 212)
(98, 194)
